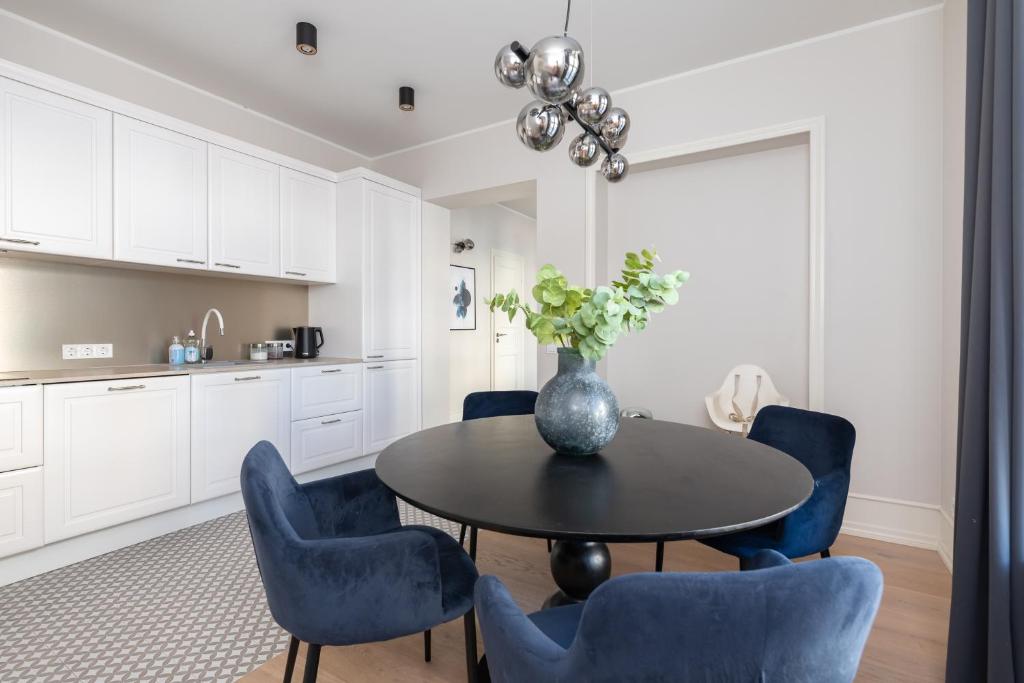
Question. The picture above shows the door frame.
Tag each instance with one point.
(521, 381)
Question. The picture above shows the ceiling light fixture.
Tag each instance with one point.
(305, 38)
(553, 70)
(406, 98)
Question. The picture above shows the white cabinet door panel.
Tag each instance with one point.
(326, 440)
(391, 403)
(160, 210)
(21, 427)
(326, 390)
(245, 218)
(231, 413)
(113, 452)
(308, 227)
(56, 169)
(21, 511)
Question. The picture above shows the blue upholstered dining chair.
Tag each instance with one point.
(339, 568)
(824, 444)
(797, 623)
(481, 404)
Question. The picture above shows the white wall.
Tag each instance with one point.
(880, 90)
(434, 336)
(43, 49)
(490, 227)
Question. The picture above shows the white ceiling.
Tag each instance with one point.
(243, 50)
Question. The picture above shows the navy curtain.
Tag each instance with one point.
(986, 630)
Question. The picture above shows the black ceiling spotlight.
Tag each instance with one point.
(406, 98)
(305, 38)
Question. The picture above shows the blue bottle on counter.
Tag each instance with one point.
(176, 352)
(191, 348)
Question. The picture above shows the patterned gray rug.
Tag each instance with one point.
(187, 606)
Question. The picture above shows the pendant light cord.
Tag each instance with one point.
(568, 9)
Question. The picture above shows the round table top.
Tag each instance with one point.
(656, 481)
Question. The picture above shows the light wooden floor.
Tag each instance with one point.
(908, 642)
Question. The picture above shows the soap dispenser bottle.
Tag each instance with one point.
(176, 352)
(191, 347)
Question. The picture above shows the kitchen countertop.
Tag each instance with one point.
(92, 374)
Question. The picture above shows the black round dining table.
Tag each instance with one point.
(657, 481)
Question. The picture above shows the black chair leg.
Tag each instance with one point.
(289, 667)
(549, 546)
(659, 557)
(825, 554)
(426, 645)
(312, 663)
(472, 543)
(469, 621)
(462, 535)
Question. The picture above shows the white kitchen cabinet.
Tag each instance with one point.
(391, 273)
(326, 389)
(328, 440)
(21, 427)
(55, 173)
(21, 510)
(245, 217)
(308, 227)
(113, 452)
(231, 413)
(391, 403)
(160, 211)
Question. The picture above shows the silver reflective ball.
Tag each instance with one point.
(584, 149)
(592, 105)
(509, 68)
(615, 127)
(540, 126)
(614, 168)
(554, 69)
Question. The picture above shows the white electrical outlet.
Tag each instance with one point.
(103, 350)
(69, 351)
(289, 345)
(86, 351)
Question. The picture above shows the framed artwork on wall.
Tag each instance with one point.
(462, 297)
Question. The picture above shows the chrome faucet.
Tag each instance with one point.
(202, 339)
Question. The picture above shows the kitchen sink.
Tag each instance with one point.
(223, 363)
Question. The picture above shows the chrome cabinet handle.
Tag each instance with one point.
(294, 272)
(247, 379)
(192, 260)
(328, 372)
(374, 367)
(331, 422)
(226, 265)
(380, 356)
(128, 388)
(13, 240)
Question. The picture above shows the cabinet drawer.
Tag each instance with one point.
(21, 511)
(21, 427)
(327, 440)
(326, 390)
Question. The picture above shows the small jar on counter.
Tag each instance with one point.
(275, 350)
(258, 351)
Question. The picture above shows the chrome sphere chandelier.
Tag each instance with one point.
(553, 71)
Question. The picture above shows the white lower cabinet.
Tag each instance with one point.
(21, 510)
(328, 440)
(391, 403)
(231, 412)
(113, 452)
(21, 427)
(326, 390)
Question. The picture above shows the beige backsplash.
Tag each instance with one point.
(45, 304)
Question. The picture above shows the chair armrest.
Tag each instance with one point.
(516, 649)
(355, 504)
(766, 559)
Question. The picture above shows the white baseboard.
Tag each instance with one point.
(893, 520)
(71, 550)
(946, 539)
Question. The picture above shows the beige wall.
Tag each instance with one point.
(45, 304)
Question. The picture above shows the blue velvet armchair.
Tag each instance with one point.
(824, 444)
(787, 622)
(339, 568)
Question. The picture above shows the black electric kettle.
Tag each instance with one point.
(306, 341)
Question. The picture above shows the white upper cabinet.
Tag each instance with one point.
(159, 195)
(55, 168)
(245, 217)
(391, 273)
(308, 227)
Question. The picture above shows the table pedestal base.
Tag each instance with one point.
(578, 567)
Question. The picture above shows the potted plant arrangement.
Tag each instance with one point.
(576, 411)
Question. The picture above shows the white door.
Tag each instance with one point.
(327, 440)
(391, 407)
(508, 339)
(160, 211)
(231, 413)
(245, 217)
(55, 167)
(21, 427)
(308, 227)
(21, 510)
(391, 280)
(113, 452)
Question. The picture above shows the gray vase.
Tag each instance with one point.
(576, 412)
